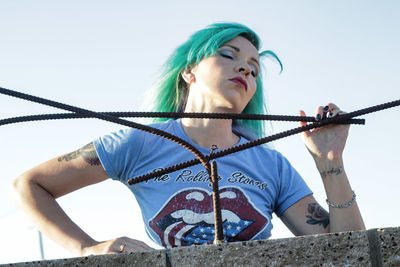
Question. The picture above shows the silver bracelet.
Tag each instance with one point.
(345, 205)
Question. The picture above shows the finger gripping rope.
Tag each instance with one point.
(200, 158)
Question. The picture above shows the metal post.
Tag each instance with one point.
(41, 245)
(219, 232)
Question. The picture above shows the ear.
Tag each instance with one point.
(188, 76)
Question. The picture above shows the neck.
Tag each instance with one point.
(208, 132)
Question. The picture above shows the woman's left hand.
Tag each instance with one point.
(327, 142)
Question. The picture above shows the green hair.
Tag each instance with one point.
(170, 93)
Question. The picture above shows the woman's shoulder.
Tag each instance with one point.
(164, 126)
(128, 135)
(265, 151)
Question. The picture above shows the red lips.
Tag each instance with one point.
(240, 81)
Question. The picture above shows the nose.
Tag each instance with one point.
(244, 69)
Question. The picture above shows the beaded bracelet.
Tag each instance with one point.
(345, 205)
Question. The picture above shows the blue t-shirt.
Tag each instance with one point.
(177, 207)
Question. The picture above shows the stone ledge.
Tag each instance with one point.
(321, 250)
(375, 247)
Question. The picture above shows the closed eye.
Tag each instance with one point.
(226, 54)
(254, 71)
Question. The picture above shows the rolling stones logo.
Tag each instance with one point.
(188, 218)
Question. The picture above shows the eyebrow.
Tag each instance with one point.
(237, 49)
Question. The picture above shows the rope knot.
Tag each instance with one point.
(213, 148)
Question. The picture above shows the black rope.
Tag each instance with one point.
(174, 115)
(200, 157)
(85, 112)
(263, 140)
(109, 118)
(204, 159)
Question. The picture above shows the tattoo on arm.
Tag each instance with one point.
(333, 171)
(88, 153)
(318, 215)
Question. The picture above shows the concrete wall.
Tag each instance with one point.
(375, 247)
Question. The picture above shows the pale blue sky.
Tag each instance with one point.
(104, 55)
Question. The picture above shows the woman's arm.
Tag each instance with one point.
(326, 145)
(36, 190)
(307, 217)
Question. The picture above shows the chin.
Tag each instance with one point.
(231, 109)
(232, 103)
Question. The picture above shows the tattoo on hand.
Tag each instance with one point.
(335, 171)
(88, 153)
(318, 215)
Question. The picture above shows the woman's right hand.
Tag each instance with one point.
(114, 246)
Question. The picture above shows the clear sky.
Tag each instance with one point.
(104, 55)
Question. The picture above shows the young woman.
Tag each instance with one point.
(216, 70)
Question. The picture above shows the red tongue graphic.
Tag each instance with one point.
(172, 230)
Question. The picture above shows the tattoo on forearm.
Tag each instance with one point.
(333, 171)
(88, 153)
(318, 215)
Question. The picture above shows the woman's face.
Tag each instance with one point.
(227, 81)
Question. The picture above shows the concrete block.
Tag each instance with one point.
(347, 248)
(140, 259)
(100, 260)
(375, 247)
(148, 258)
(389, 239)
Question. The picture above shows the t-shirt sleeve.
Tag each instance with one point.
(119, 151)
(292, 187)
